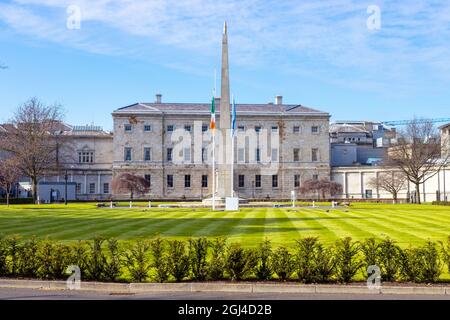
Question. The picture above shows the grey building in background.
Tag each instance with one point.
(359, 142)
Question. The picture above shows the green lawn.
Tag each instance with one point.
(408, 224)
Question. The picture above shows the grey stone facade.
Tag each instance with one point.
(184, 128)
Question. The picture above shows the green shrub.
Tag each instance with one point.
(369, 248)
(13, 250)
(178, 260)
(60, 260)
(411, 264)
(389, 259)
(45, 257)
(217, 262)
(96, 260)
(446, 253)
(347, 262)
(137, 260)
(198, 252)
(54, 258)
(3, 256)
(325, 263)
(306, 250)
(264, 269)
(159, 259)
(431, 264)
(282, 263)
(28, 263)
(113, 263)
(239, 261)
(79, 257)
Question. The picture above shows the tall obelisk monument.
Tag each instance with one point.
(225, 161)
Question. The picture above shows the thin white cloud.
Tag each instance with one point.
(324, 37)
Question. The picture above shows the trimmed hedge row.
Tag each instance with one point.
(161, 260)
(17, 201)
(441, 203)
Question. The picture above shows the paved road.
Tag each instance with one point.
(35, 294)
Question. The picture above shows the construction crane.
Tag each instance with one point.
(406, 122)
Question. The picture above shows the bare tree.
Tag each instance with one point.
(9, 176)
(130, 183)
(417, 153)
(321, 188)
(391, 182)
(32, 140)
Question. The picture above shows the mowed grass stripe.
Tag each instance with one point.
(225, 226)
(155, 225)
(428, 221)
(418, 230)
(214, 228)
(250, 229)
(312, 219)
(119, 225)
(391, 229)
(279, 222)
(336, 222)
(74, 225)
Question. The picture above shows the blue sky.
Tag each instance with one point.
(316, 53)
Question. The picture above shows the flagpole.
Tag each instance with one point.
(214, 170)
(232, 154)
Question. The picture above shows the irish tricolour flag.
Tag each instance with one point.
(212, 125)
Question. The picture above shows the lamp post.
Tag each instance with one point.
(65, 188)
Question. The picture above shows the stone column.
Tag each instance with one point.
(224, 139)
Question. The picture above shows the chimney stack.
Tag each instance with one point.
(158, 98)
(278, 99)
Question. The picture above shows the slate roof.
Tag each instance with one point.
(204, 108)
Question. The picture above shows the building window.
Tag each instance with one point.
(275, 181)
(127, 127)
(204, 181)
(85, 157)
(78, 188)
(258, 181)
(170, 128)
(147, 128)
(368, 194)
(241, 181)
(258, 155)
(258, 128)
(314, 154)
(241, 128)
(274, 155)
(296, 155)
(274, 129)
(204, 154)
(148, 178)
(147, 154)
(241, 154)
(106, 188)
(314, 129)
(296, 129)
(297, 181)
(127, 154)
(188, 128)
(187, 154)
(204, 128)
(187, 181)
(315, 177)
(169, 154)
(91, 187)
(169, 181)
